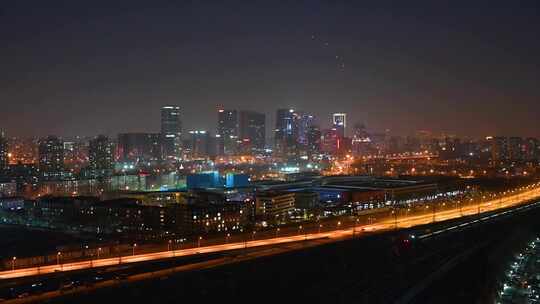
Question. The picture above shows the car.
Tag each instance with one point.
(67, 285)
(121, 276)
(23, 295)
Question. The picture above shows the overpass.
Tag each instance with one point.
(340, 231)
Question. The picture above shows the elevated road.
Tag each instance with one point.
(512, 200)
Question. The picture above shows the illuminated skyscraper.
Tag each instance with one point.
(51, 158)
(330, 141)
(314, 139)
(284, 136)
(302, 123)
(101, 156)
(171, 130)
(284, 125)
(3, 152)
(292, 132)
(227, 130)
(253, 130)
(339, 122)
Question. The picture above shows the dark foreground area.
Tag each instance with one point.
(456, 267)
(23, 241)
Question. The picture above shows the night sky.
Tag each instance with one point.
(469, 68)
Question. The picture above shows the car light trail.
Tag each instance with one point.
(387, 224)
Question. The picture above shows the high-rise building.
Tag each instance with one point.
(171, 131)
(227, 130)
(292, 132)
(101, 156)
(252, 130)
(138, 148)
(51, 158)
(515, 148)
(200, 145)
(4, 161)
(330, 142)
(339, 122)
(302, 123)
(284, 131)
(314, 139)
(499, 148)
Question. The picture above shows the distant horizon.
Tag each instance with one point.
(76, 68)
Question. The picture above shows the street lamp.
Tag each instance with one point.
(394, 213)
(277, 232)
(13, 263)
(354, 228)
(98, 252)
(319, 230)
(181, 241)
(134, 245)
(199, 241)
(58, 254)
(227, 238)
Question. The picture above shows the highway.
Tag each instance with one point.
(339, 233)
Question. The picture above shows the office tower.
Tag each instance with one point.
(330, 142)
(138, 148)
(171, 131)
(101, 156)
(301, 123)
(200, 144)
(51, 158)
(314, 139)
(252, 130)
(339, 122)
(227, 131)
(499, 148)
(284, 131)
(4, 161)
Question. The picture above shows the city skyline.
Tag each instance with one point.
(270, 119)
(75, 69)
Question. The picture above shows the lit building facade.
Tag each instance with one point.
(274, 206)
(252, 131)
(339, 122)
(51, 158)
(284, 131)
(227, 130)
(100, 156)
(171, 131)
(4, 160)
(499, 149)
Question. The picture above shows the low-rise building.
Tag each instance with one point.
(273, 206)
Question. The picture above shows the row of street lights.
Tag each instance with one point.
(302, 229)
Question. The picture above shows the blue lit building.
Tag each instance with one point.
(236, 180)
(204, 180)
